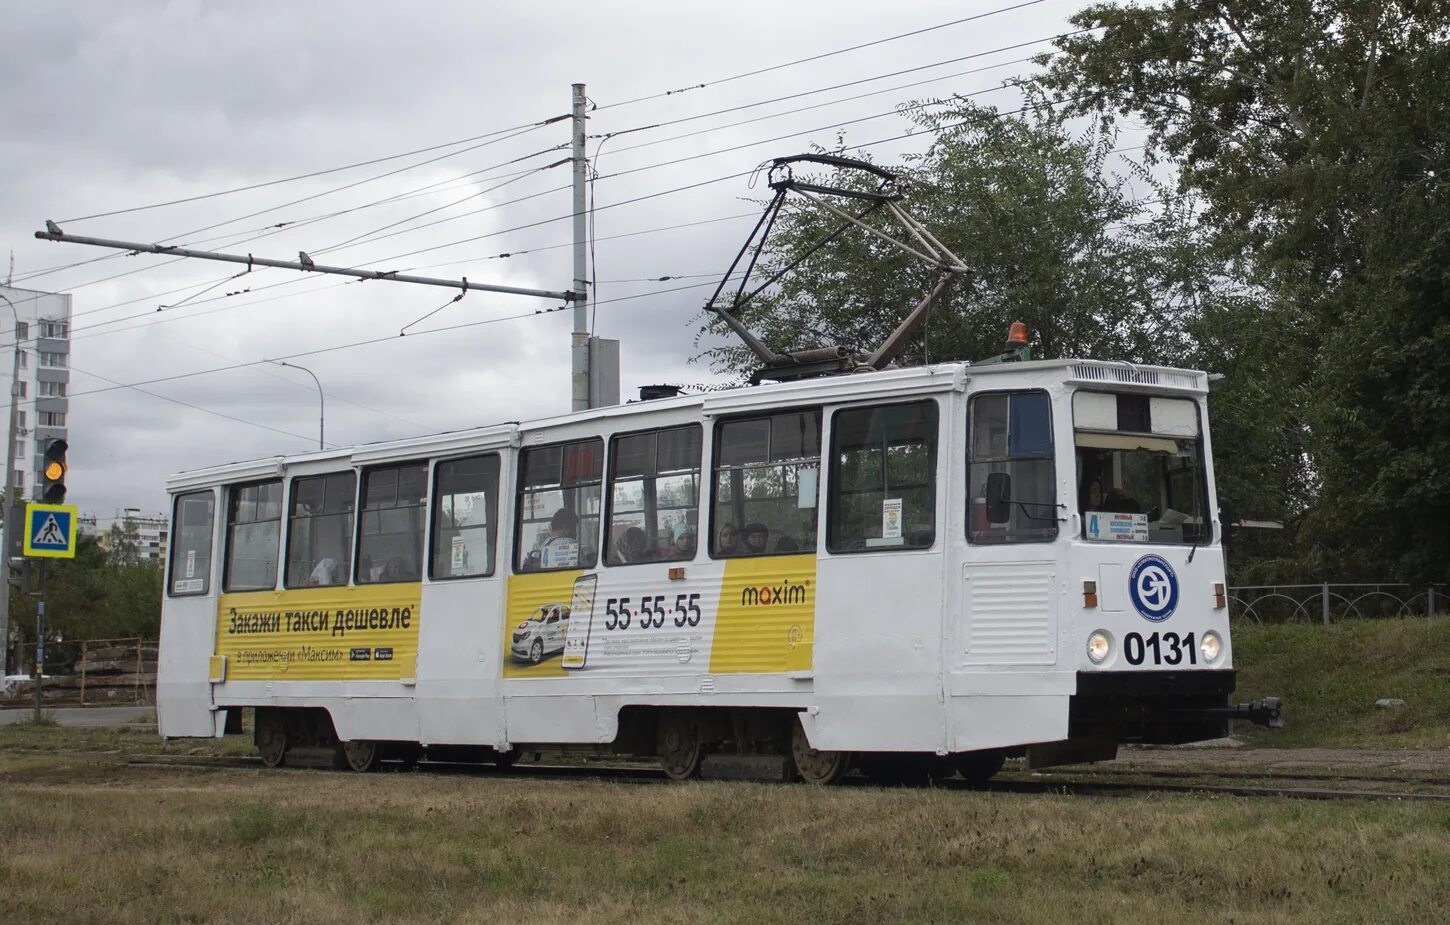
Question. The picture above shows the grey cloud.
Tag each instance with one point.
(114, 105)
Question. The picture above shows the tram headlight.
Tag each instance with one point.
(1211, 647)
(1098, 647)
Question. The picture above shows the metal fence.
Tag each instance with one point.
(1329, 602)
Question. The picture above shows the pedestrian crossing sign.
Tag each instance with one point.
(50, 531)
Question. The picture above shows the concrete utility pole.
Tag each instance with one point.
(580, 344)
(9, 528)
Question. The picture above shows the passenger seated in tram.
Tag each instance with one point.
(632, 546)
(328, 571)
(728, 543)
(683, 541)
(560, 549)
(398, 569)
(757, 538)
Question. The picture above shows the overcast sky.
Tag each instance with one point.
(119, 105)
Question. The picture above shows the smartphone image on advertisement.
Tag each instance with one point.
(581, 617)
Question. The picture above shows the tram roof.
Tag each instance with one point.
(880, 384)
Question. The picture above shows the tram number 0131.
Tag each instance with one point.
(652, 612)
(1162, 649)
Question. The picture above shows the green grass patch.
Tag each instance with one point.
(1331, 676)
(258, 821)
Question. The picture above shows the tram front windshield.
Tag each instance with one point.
(1140, 469)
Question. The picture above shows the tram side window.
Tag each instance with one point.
(559, 505)
(319, 530)
(390, 547)
(654, 493)
(1011, 433)
(883, 478)
(465, 506)
(767, 471)
(191, 543)
(254, 530)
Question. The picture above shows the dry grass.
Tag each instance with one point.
(89, 839)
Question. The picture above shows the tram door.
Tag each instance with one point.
(459, 658)
(878, 664)
(1003, 664)
(188, 622)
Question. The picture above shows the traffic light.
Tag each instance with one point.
(53, 469)
(18, 574)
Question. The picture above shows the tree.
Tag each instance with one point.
(1050, 236)
(89, 598)
(1315, 132)
(123, 543)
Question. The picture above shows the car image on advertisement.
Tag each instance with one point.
(542, 634)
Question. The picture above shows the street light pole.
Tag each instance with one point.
(321, 404)
(9, 526)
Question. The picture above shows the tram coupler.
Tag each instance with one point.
(1263, 712)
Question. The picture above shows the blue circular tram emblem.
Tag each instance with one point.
(1153, 588)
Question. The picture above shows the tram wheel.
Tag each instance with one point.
(980, 767)
(360, 755)
(680, 748)
(505, 759)
(270, 737)
(813, 765)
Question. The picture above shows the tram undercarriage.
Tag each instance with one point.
(1109, 709)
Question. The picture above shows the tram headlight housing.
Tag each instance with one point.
(1099, 646)
(1211, 646)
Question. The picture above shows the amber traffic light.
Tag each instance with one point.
(54, 470)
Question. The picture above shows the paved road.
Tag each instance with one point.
(80, 716)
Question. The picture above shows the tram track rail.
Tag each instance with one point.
(1183, 774)
(1067, 784)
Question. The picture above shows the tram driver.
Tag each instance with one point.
(1093, 496)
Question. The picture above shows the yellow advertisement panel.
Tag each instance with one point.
(736, 616)
(767, 615)
(367, 633)
(536, 624)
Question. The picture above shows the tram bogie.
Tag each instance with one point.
(913, 572)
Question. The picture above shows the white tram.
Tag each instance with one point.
(918, 570)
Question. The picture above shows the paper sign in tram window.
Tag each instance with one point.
(806, 493)
(559, 553)
(1123, 527)
(891, 519)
